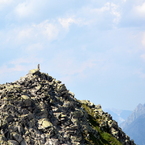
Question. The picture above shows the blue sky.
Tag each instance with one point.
(96, 48)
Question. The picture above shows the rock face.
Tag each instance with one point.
(39, 110)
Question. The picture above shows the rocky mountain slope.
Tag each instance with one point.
(39, 110)
(135, 124)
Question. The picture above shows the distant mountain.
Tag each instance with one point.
(134, 126)
(39, 110)
(119, 115)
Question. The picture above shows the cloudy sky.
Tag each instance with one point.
(97, 48)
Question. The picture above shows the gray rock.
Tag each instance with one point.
(12, 142)
(17, 137)
(23, 143)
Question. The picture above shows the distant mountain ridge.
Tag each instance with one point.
(134, 126)
(118, 114)
(138, 111)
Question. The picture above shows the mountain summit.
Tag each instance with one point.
(39, 110)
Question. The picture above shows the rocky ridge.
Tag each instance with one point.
(39, 110)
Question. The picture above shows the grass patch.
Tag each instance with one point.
(105, 138)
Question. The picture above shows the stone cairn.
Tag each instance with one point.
(39, 110)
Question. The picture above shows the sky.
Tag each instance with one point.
(96, 48)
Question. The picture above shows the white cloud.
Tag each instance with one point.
(49, 30)
(29, 8)
(115, 12)
(105, 8)
(111, 7)
(66, 22)
(140, 10)
(132, 13)
(31, 34)
(5, 1)
(108, 14)
(24, 9)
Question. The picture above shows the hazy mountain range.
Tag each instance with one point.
(131, 122)
(119, 115)
(134, 126)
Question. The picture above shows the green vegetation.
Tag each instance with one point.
(105, 138)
